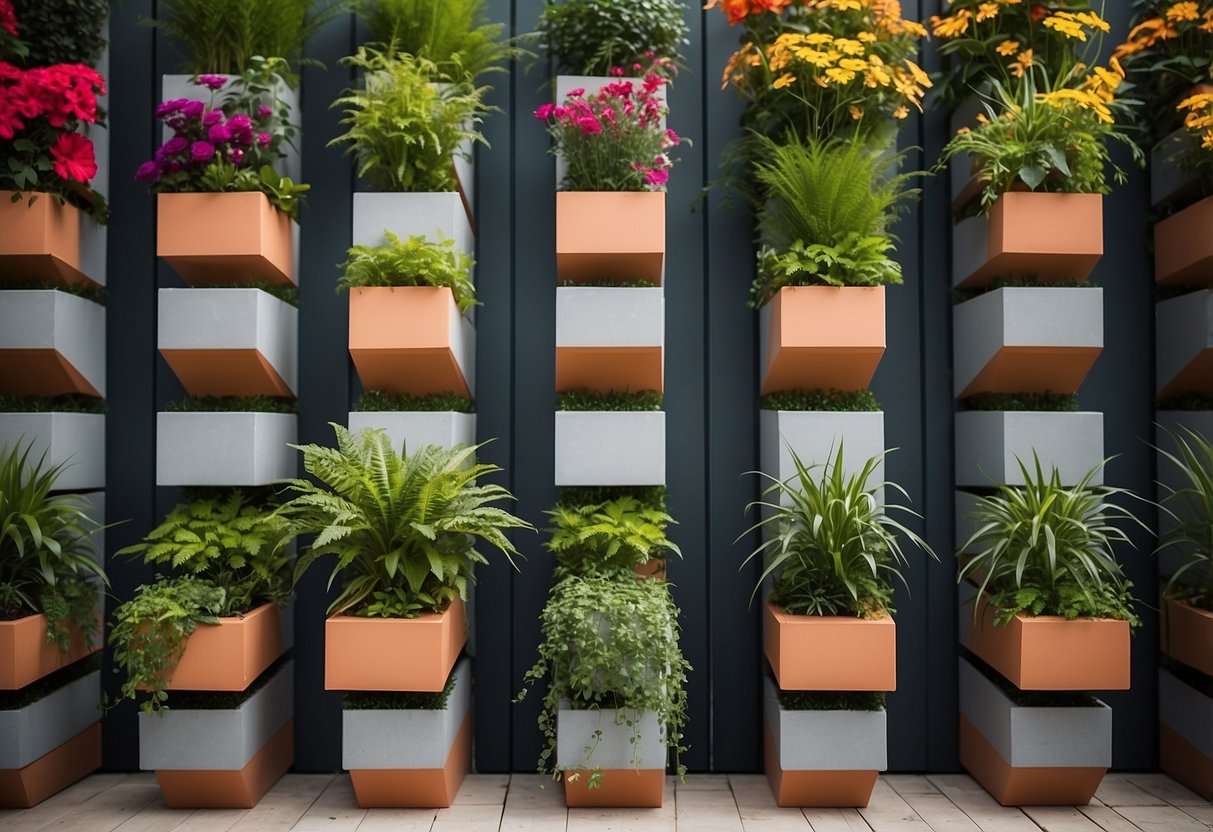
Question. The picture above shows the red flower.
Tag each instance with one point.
(74, 158)
(1039, 13)
(8, 18)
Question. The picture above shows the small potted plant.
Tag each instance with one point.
(1183, 255)
(613, 439)
(832, 549)
(443, 419)
(625, 534)
(227, 440)
(52, 339)
(406, 575)
(68, 430)
(610, 337)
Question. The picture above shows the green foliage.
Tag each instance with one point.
(612, 644)
(151, 629)
(831, 700)
(1187, 401)
(1190, 506)
(572, 496)
(614, 400)
(11, 700)
(97, 294)
(401, 526)
(51, 404)
(609, 538)
(851, 401)
(286, 294)
(402, 128)
(283, 193)
(823, 213)
(457, 35)
(377, 401)
(1047, 401)
(69, 604)
(962, 295)
(832, 548)
(61, 31)
(416, 261)
(227, 700)
(399, 700)
(232, 404)
(590, 37)
(1047, 549)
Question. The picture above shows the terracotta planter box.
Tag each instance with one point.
(433, 215)
(610, 447)
(26, 655)
(633, 776)
(822, 758)
(40, 241)
(412, 339)
(989, 442)
(362, 653)
(412, 429)
(230, 342)
(222, 758)
(610, 235)
(1185, 734)
(410, 758)
(815, 436)
(51, 343)
(80, 756)
(1027, 340)
(1169, 181)
(1047, 652)
(226, 238)
(1183, 247)
(1031, 756)
(232, 654)
(830, 652)
(820, 337)
(1044, 235)
(609, 338)
(1184, 331)
(1185, 633)
(74, 439)
(237, 448)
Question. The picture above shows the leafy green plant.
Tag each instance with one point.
(403, 129)
(97, 294)
(832, 547)
(377, 401)
(853, 401)
(962, 295)
(282, 192)
(226, 700)
(1047, 401)
(590, 37)
(457, 35)
(611, 644)
(61, 31)
(1047, 549)
(1187, 401)
(390, 700)
(51, 404)
(572, 496)
(232, 404)
(831, 700)
(286, 294)
(615, 400)
(610, 538)
(1034, 698)
(400, 526)
(1190, 505)
(416, 261)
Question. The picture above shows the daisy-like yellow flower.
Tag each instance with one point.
(866, 37)
(1023, 62)
(856, 112)
(847, 46)
(840, 75)
(1067, 24)
(901, 112)
(854, 64)
(986, 11)
(1206, 23)
(785, 80)
(1084, 99)
(1007, 48)
(818, 38)
(1180, 12)
(951, 26)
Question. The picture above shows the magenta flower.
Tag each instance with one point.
(577, 93)
(239, 122)
(202, 152)
(237, 156)
(544, 112)
(214, 82)
(173, 147)
(264, 112)
(193, 109)
(212, 117)
(170, 107)
(148, 172)
(589, 125)
(219, 134)
(658, 176)
(264, 139)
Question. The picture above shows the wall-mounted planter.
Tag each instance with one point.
(226, 238)
(633, 771)
(610, 447)
(1047, 652)
(1185, 633)
(230, 655)
(1027, 340)
(227, 448)
(1183, 246)
(1031, 756)
(40, 241)
(412, 429)
(989, 442)
(609, 338)
(25, 657)
(229, 342)
(605, 235)
(1185, 734)
(820, 337)
(1184, 338)
(432, 215)
(815, 437)
(51, 343)
(357, 650)
(1169, 181)
(410, 758)
(412, 339)
(591, 84)
(822, 758)
(222, 758)
(1030, 234)
(830, 652)
(74, 439)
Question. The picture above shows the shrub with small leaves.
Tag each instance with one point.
(1044, 402)
(610, 538)
(851, 401)
(615, 400)
(590, 37)
(377, 401)
(232, 404)
(416, 261)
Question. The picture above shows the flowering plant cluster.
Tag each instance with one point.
(10, 43)
(613, 140)
(1198, 120)
(41, 112)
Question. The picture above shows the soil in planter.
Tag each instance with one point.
(11, 700)
(225, 700)
(831, 700)
(52, 404)
(399, 700)
(1032, 698)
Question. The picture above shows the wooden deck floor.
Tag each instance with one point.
(707, 803)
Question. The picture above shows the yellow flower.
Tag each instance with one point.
(842, 76)
(963, 130)
(919, 76)
(818, 38)
(1201, 99)
(1007, 47)
(785, 80)
(901, 112)
(853, 64)
(1023, 62)
(849, 47)
(856, 112)
(1067, 24)
(866, 37)
(986, 11)
(951, 26)
(1059, 99)
(1180, 12)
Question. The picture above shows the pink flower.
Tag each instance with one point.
(577, 93)
(239, 122)
(8, 18)
(148, 172)
(202, 152)
(219, 134)
(671, 138)
(589, 125)
(193, 109)
(264, 112)
(544, 112)
(657, 176)
(617, 71)
(212, 117)
(264, 139)
(170, 107)
(74, 158)
(214, 82)
(173, 147)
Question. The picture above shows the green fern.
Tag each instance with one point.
(608, 538)
(416, 261)
(457, 35)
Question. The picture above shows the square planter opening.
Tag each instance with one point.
(226, 238)
(633, 770)
(363, 653)
(610, 447)
(232, 448)
(411, 429)
(830, 652)
(609, 338)
(51, 343)
(41, 241)
(610, 235)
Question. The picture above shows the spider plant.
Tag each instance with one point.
(1190, 504)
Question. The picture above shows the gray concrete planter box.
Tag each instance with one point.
(412, 429)
(217, 740)
(74, 439)
(68, 334)
(815, 437)
(223, 342)
(988, 443)
(411, 215)
(1184, 334)
(239, 448)
(825, 740)
(596, 447)
(406, 739)
(1200, 421)
(1168, 180)
(1027, 339)
(576, 735)
(42, 726)
(1186, 711)
(610, 338)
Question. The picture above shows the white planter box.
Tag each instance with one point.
(598, 316)
(228, 321)
(1035, 737)
(610, 448)
(1168, 179)
(825, 740)
(217, 740)
(989, 442)
(406, 739)
(1186, 711)
(412, 429)
(1184, 332)
(42, 726)
(1017, 340)
(616, 747)
(52, 321)
(815, 436)
(225, 448)
(433, 215)
(77, 439)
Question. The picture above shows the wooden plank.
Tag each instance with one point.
(1107, 819)
(888, 812)
(534, 803)
(468, 818)
(1161, 819)
(483, 790)
(836, 820)
(56, 806)
(1119, 790)
(982, 809)
(1060, 819)
(212, 820)
(905, 784)
(757, 809)
(940, 813)
(628, 820)
(109, 809)
(707, 809)
(1162, 786)
(156, 817)
(1204, 813)
(398, 820)
(285, 804)
(335, 810)
(703, 782)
